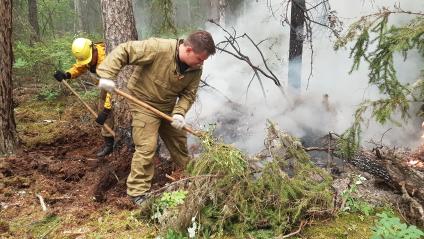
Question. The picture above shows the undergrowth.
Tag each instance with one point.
(390, 227)
(228, 196)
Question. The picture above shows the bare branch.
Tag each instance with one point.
(231, 41)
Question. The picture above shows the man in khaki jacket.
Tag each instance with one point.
(167, 78)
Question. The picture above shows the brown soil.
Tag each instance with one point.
(68, 176)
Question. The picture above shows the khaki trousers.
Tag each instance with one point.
(146, 127)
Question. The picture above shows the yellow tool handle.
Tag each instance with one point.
(108, 129)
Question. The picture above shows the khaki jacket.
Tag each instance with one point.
(157, 79)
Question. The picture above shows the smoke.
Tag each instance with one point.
(328, 100)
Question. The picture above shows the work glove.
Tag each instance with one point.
(102, 116)
(107, 85)
(60, 75)
(178, 121)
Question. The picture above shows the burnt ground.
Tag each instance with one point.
(61, 166)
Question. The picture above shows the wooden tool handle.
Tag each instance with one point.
(108, 129)
(154, 110)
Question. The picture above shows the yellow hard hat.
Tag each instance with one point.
(81, 48)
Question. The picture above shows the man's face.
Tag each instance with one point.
(194, 59)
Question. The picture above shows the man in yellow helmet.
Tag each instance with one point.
(88, 56)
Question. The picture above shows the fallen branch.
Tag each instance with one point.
(302, 224)
(318, 149)
(159, 190)
(171, 178)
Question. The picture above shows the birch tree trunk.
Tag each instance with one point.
(8, 139)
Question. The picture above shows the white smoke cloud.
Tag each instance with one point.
(330, 76)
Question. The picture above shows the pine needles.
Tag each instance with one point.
(386, 41)
(239, 199)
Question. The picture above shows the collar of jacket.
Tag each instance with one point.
(95, 58)
(179, 42)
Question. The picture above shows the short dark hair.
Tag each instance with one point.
(201, 41)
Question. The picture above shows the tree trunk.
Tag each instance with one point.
(78, 14)
(168, 16)
(296, 43)
(92, 17)
(222, 5)
(213, 11)
(189, 8)
(119, 27)
(395, 170)
(33, 20)
(8, 137)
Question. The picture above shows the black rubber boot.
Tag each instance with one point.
(107, 147)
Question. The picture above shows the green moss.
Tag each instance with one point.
(347, 226)
(43, 122)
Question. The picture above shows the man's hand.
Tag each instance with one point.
(107, 85)
(178, 121)
(60, 75)
(102, 116)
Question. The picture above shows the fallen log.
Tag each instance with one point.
(393, 167)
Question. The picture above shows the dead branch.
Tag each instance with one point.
(326, 149)
(232, 41)
(204, 83)
(393, 168)
(183, 180)
(302, 224)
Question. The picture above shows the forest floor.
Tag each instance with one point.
(56, 163)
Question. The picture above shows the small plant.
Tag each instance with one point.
(390, 227)
(354, 204)
(168, 200)
(172, 234)
(47, 94)
(90, 95)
